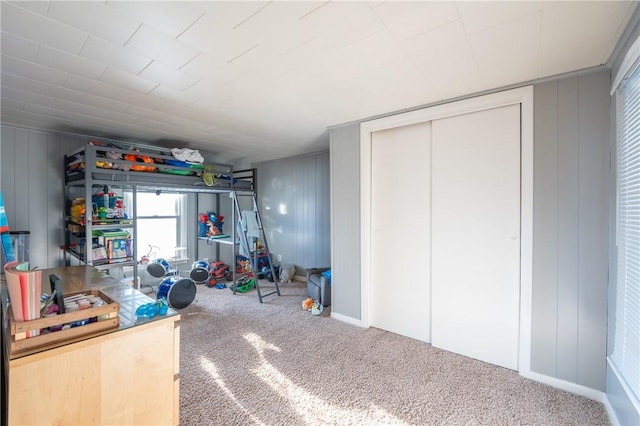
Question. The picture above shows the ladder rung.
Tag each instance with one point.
(269, 294)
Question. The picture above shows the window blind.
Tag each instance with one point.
(626, 350)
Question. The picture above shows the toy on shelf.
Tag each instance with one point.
(210, 225)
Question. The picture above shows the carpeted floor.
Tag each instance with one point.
(246, 363)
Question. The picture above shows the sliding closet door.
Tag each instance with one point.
(475, 242)
(400, 217)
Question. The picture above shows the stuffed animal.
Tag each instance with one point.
(307, 304)
(286, 273)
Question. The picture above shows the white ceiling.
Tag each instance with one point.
(252, 81)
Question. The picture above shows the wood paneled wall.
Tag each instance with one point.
(571, 220)
(31, 179)
(293, 196)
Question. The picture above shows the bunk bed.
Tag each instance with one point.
(99, 167)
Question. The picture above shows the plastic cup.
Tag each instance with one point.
(20, 242)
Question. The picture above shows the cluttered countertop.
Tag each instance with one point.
(88, 280)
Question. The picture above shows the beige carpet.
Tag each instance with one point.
(246, 363)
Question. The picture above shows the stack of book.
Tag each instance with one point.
(117, 244)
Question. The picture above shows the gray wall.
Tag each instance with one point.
(31, 179)
(571, 228)
(345, 217)
(293, 196)
(571, 166)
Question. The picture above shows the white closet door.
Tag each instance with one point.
(400, 217)
(476, 235)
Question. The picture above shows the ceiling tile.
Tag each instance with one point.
(125, 80)
(150, 42)
(219, 42)
(74, 64)
(173, 109)
(27, 97)
(105, 103)
(21, 83)
(85, 109)
(212, 71)
(95, 18)
(94, 87)
(32, 70)
(342, 22)
(40, 29)
(114, 56)
(508, 53)
(10, 105)
(449, 39)
(355, 59)
(455, 75)
(229, 14)
(172, 96)
(170, 17)
(36, 6)
(278, 27)
(151, 114)
(138, 99)
(480, 15)
(169, 76)
(588, 40)
(408, 19)
(18, 47)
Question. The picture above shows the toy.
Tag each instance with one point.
(243, 285)
(307, 303)
(210, 224)
(286, 273)
(217, 271)
(316, 308)
(202, 225)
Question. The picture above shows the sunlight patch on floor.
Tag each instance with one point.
(210, 368)
(313, 409)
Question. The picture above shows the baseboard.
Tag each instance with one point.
(348, 320)
(564, 385)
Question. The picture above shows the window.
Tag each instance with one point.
(626, 349)
(161, 226)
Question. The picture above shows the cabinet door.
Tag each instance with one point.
(123, 378)
(475, 242)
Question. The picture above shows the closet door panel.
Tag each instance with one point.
(475, 233)
(400, 211)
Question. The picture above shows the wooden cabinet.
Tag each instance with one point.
(127, 377)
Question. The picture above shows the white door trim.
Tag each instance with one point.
(522, 96)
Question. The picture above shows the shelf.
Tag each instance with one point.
(221, 240)
(101, 264)
(99, 226)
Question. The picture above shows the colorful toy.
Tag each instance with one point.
(202, 225)
(243, 285)
(307, 303)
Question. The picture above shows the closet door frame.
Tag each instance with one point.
(522, 96)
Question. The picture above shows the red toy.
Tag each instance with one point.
(218, 271)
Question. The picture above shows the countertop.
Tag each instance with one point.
(79, 278)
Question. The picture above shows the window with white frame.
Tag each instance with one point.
(626, 348)
(160, 225)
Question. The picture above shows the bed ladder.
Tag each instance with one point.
(248, 241)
